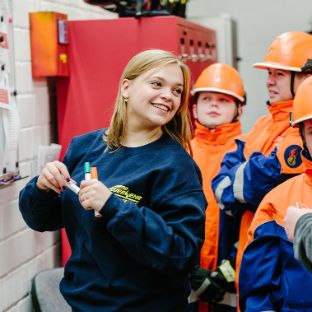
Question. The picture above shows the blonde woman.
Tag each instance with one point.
(138, 254)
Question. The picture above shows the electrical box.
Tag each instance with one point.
(49, 44)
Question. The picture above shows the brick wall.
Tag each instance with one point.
(24, 252)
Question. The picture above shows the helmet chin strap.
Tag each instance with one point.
(292, 83)
(305, 148)
(235, 118)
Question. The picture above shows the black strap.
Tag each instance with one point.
(292, 83)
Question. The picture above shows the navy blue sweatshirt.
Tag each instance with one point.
(138, 255)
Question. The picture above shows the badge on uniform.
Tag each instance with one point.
(292, 156)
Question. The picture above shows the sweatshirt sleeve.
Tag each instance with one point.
(303, 240)
(40, 210)
(169, 242)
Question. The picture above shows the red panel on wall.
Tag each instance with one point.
(98, 51)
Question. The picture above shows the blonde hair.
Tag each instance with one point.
(179, 127)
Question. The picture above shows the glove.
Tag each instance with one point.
(205, 287)
(211, 286)
(224, 275)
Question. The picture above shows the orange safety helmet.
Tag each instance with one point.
(220, 78)
(302, 105)
(289, 51)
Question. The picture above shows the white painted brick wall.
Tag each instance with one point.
(21, 44)
(26, 105)
(20, 12)
(15, 285)
(23, 252)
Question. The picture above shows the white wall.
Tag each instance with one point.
(258, 23)
(24, 252)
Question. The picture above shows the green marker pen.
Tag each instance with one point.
(86, 169)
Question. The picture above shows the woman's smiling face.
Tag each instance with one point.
(154, 97)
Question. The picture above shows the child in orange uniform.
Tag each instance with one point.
(219, 96)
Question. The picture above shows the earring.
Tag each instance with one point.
(125, 100)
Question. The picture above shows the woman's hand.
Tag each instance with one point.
(53, 177)
(93, 194)
(292, 216)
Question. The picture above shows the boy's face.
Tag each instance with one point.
(215, 109)
(307, 132)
